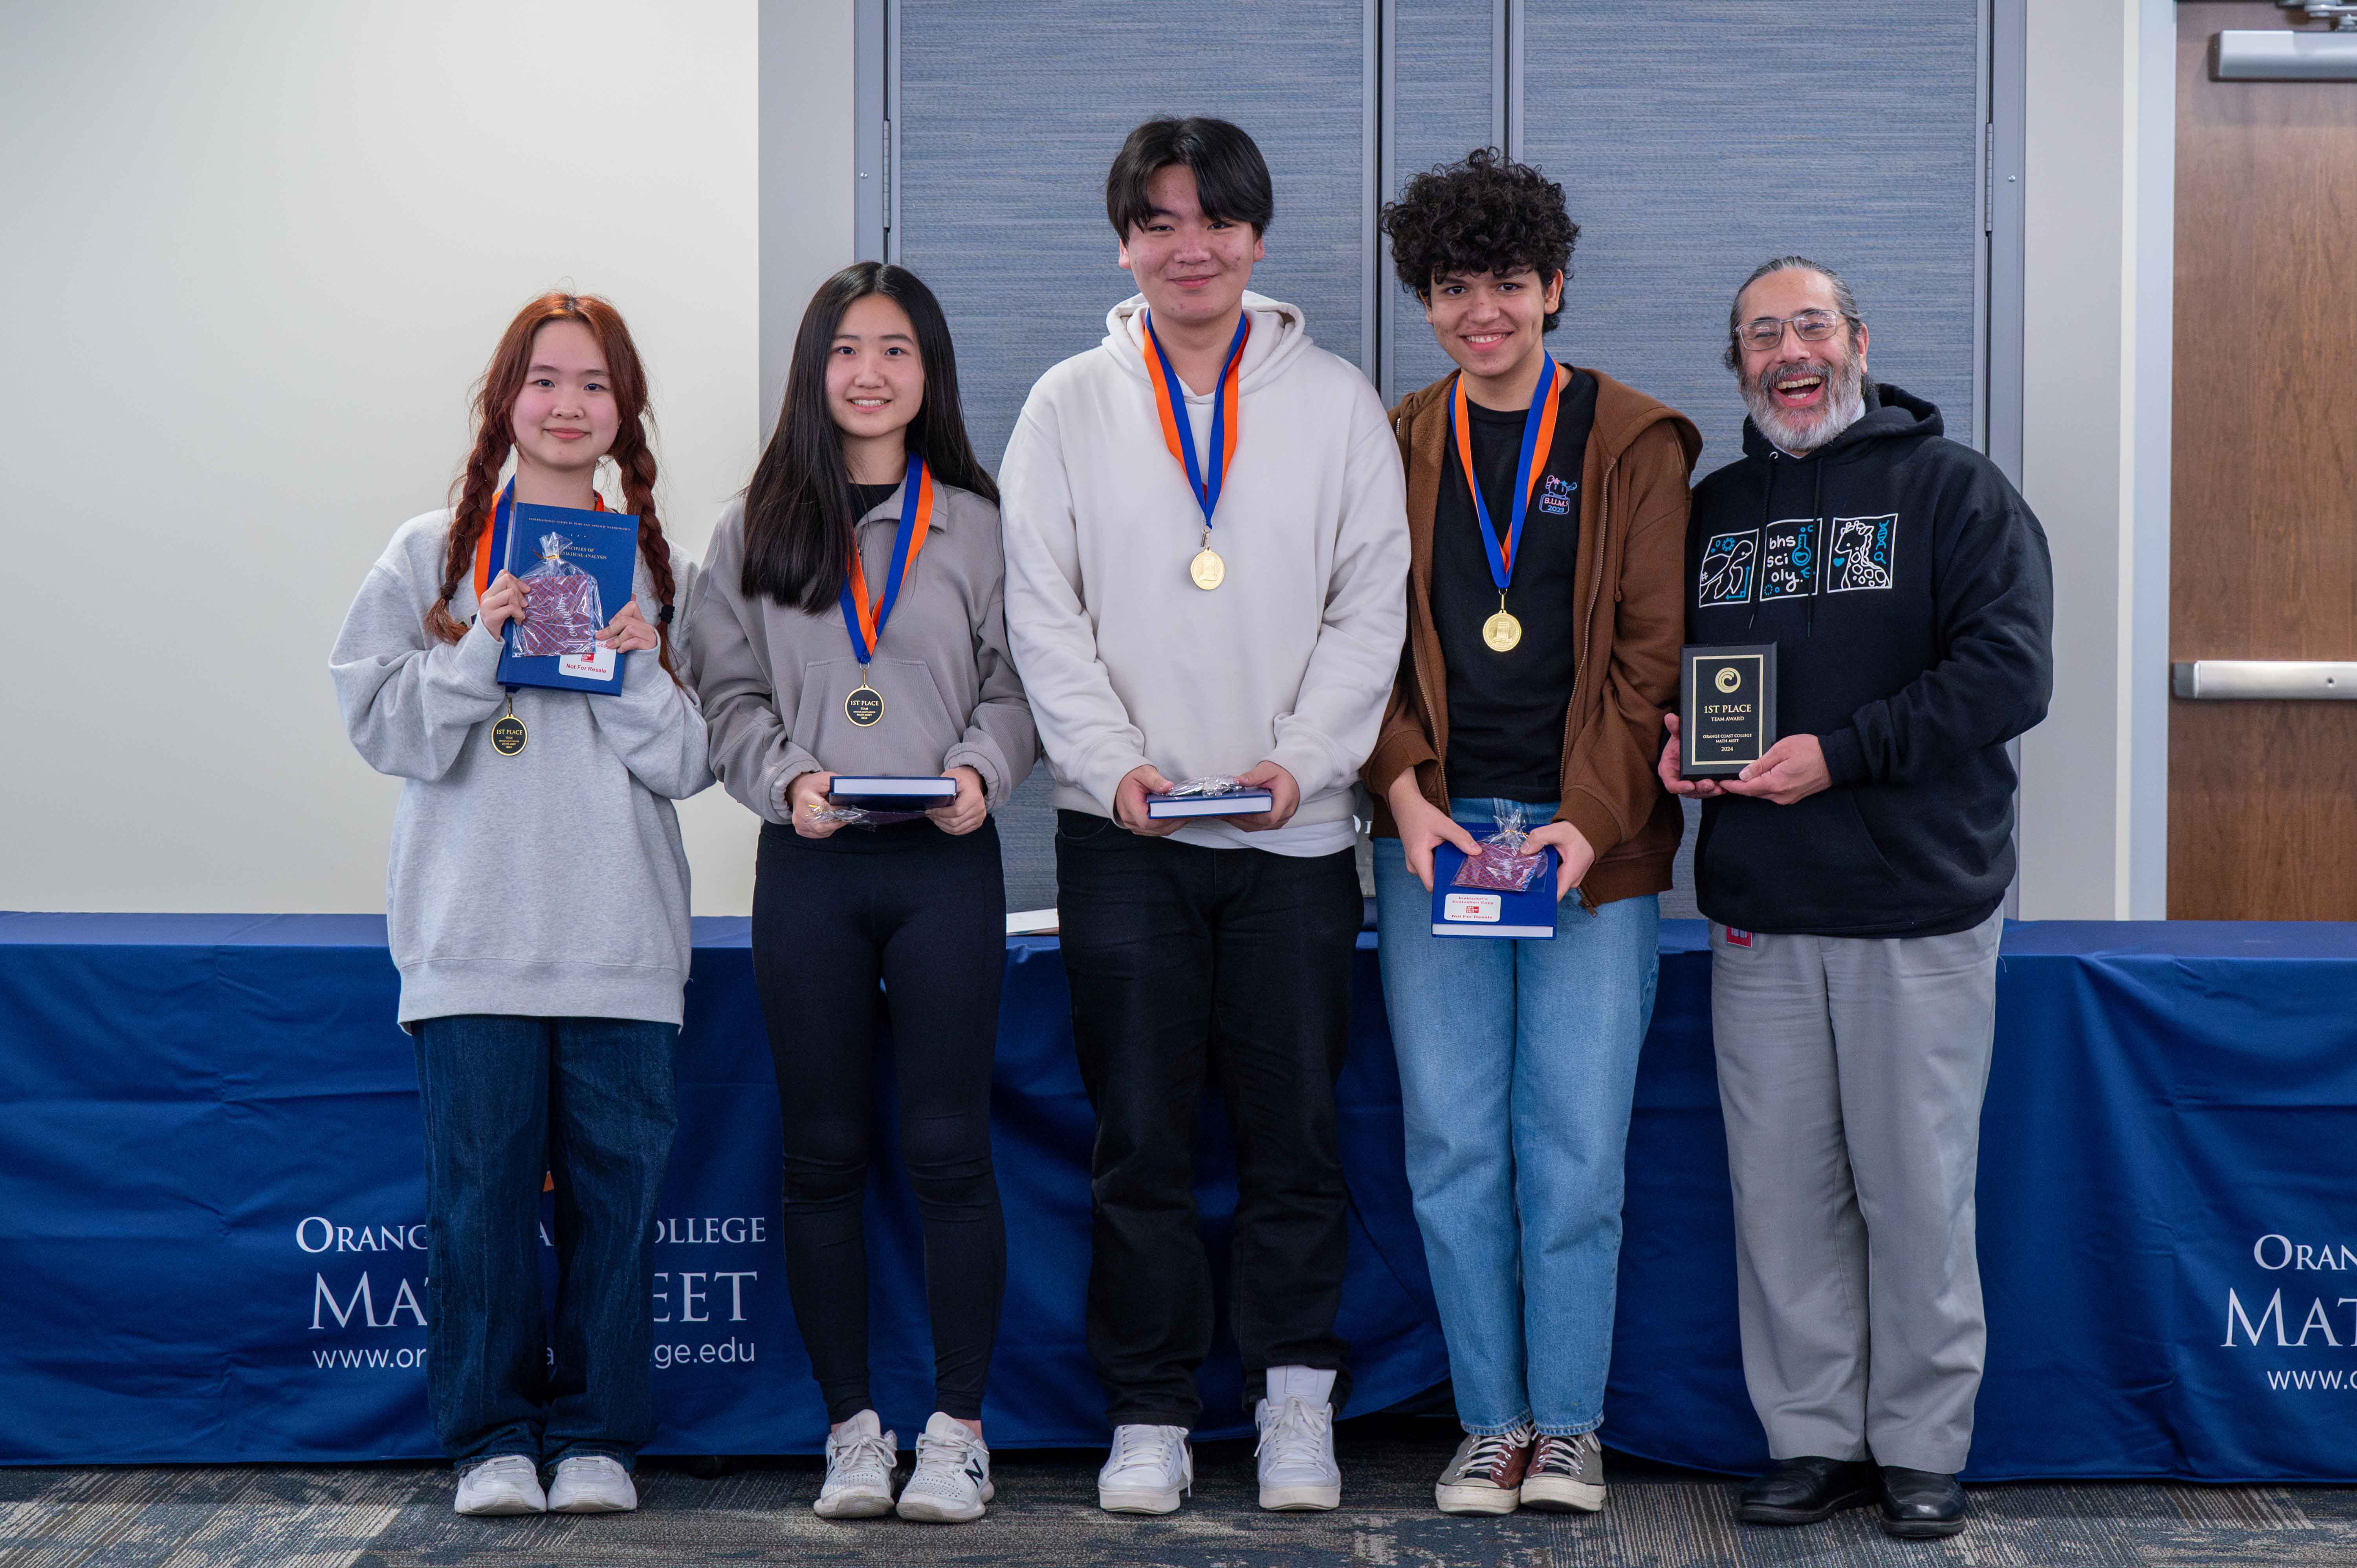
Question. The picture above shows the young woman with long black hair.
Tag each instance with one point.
(852, 622)
(538, 905)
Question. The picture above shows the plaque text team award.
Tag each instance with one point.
(1727, 708)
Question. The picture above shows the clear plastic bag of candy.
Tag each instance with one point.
(860, 817)
(1206, 789)
(1503, 865)
(561, 612)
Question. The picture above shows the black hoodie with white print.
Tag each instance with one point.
(1908, 589)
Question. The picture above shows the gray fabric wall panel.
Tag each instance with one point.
(1693, 142)
(1446, 79)
(1010, 112)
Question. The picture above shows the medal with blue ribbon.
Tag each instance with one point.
(865, 621)
(1206, 569)
(1501, 632)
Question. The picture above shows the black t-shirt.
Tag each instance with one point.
(1506, 711)
(866, 499)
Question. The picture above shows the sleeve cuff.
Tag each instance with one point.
(984, 760)
(1845, 757)
(782, 780)
(1407, 749)
(1311, 771)
(478, 660)
(1595, 823)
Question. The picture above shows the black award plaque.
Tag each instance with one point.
(1727, 708)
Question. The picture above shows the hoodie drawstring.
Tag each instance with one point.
(1817, 535)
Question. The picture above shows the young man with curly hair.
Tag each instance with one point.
(1547, 510)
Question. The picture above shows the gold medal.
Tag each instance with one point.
(1501, 632)
(865, 705)
(507, 731)
(1207, 569)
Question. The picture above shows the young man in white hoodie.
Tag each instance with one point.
(1206, 566)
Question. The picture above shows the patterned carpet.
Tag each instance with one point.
(759, 1512)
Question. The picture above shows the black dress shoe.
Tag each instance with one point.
(1806, 1490)
(1920, 1504)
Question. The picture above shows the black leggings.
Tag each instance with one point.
(925, 913)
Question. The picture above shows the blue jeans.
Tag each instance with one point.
(589, 1100)
(1517, 1065)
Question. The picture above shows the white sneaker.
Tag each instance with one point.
(1566, 1473)
(859, 1460)
(1297, 1441)
(592, 1483)
(952, 1481)
(1151, 1468)
(509, 1484)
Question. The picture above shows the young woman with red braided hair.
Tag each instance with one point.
(538, 912)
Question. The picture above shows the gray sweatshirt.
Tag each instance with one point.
(549, 884)
(773, 679)
(1290, 660)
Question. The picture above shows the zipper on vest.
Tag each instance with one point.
(1587, 647)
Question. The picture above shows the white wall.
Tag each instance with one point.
(256, 255)
(2097, 263)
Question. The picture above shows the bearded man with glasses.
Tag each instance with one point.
(1854, 877)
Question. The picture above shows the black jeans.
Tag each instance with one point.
(591, 1100)
(926, 914)
(1184, 959)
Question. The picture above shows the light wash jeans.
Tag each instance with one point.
(1517, 1065)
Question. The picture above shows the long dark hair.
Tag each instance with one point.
(798, 510)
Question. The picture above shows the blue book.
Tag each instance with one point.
(1234, 803)
(577, 568)
(891, 791)
(1484, 912)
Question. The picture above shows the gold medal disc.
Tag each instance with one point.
(864, 706)
(507, 736)
(1208, 570)
(1502, 632)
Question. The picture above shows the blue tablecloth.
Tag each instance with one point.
(212, 1247)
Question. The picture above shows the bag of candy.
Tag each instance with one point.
(561, 612)
(1503, 865)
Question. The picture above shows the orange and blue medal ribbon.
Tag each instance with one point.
(864, 620)
(1178, 435)
(1503, 632)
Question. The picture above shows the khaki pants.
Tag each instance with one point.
(1851, 1071)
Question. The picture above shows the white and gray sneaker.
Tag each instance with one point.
(507, 1484)
(1566, 1473)
(1150, 1469)
(952, 1481)
(592, 1483)
(859, 1458)
(1297, 1441)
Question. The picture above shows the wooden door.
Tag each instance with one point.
(2263, 554)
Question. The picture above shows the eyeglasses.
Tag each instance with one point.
(1809, 326)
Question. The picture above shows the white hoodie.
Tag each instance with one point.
(1291, 659)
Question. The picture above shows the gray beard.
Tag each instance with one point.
(1845, 406)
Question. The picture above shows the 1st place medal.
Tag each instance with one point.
(864, 622)
(1502, 633)
(1206, 570)
(507, 731)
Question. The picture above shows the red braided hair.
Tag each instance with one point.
(476, 490)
